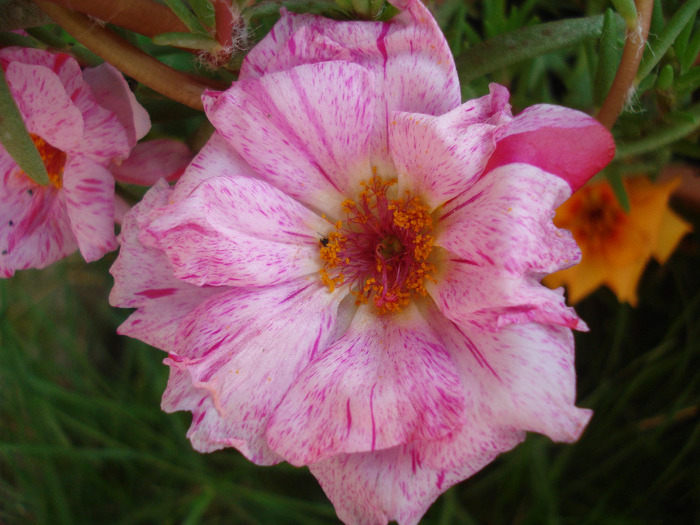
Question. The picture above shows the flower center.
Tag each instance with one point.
(599, 215)
(381, 249)
(53, 158)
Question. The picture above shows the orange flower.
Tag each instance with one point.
(616, 246)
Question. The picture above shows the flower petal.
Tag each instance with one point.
(143, 279)
(112, 93)
(216, 159)
(483, 296)
(47, 110)
(384, 382)
(89, 194)
(238, 231)
(243, 348)
(505, 221)
(439, 157)
(558, 140)
(299, 131)
(153, 160)
(389, 485)
(522, 376)
(34, 227)
(413, 69)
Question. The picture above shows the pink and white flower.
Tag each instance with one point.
(348, 275)
(84, 124)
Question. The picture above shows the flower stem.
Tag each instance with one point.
(631, 57)
(129, 59)
(145, 17)
(662, 136)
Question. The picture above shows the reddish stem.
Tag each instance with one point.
(146, 17)
(631, 57)
(129, 59)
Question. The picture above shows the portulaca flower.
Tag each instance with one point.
(348, 275)
(84, 124)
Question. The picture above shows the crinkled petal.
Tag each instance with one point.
(244, 348)
(299, 131)
(89, 194)
(238, 231)
(521, 377)
(439, 157)
(143, 279)
(47, 110)
(505, 221)
(413, 69)
(499, 241)
(112, 93)
(153, 160)
(34, 227)
(558, 140)
(384, 382)
(484, 296)
(373, 488)
(216, 159)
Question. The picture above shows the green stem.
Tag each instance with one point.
(661, 137)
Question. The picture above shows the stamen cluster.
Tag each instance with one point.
(381, 249)
(53, 158)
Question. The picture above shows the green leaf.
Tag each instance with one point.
(187, 41)
(615, 180)
(665, 79)
(182, 11)
(204, 11)
(658, 46)
(689, 81)
(628, 11)
(683, 125)
(526, 43)
(15, 137)
(609, 55)
(690, 53)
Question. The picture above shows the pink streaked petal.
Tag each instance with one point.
(44, 104)
(216, 159)
(238, 231)
(143, 279)
(558, 140)
(373, 488)
(521, 377)
(245, 347)
(505, 221)
(439, 157)
(383, 383)
(483, 295)
(208, 431)
(112, 92)
(62, 64)
(104, 135)
(89, 193)
(299, 131)
(34, 226)
(409, 57)
(152, 160)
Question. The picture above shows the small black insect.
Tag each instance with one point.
(324, 241)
